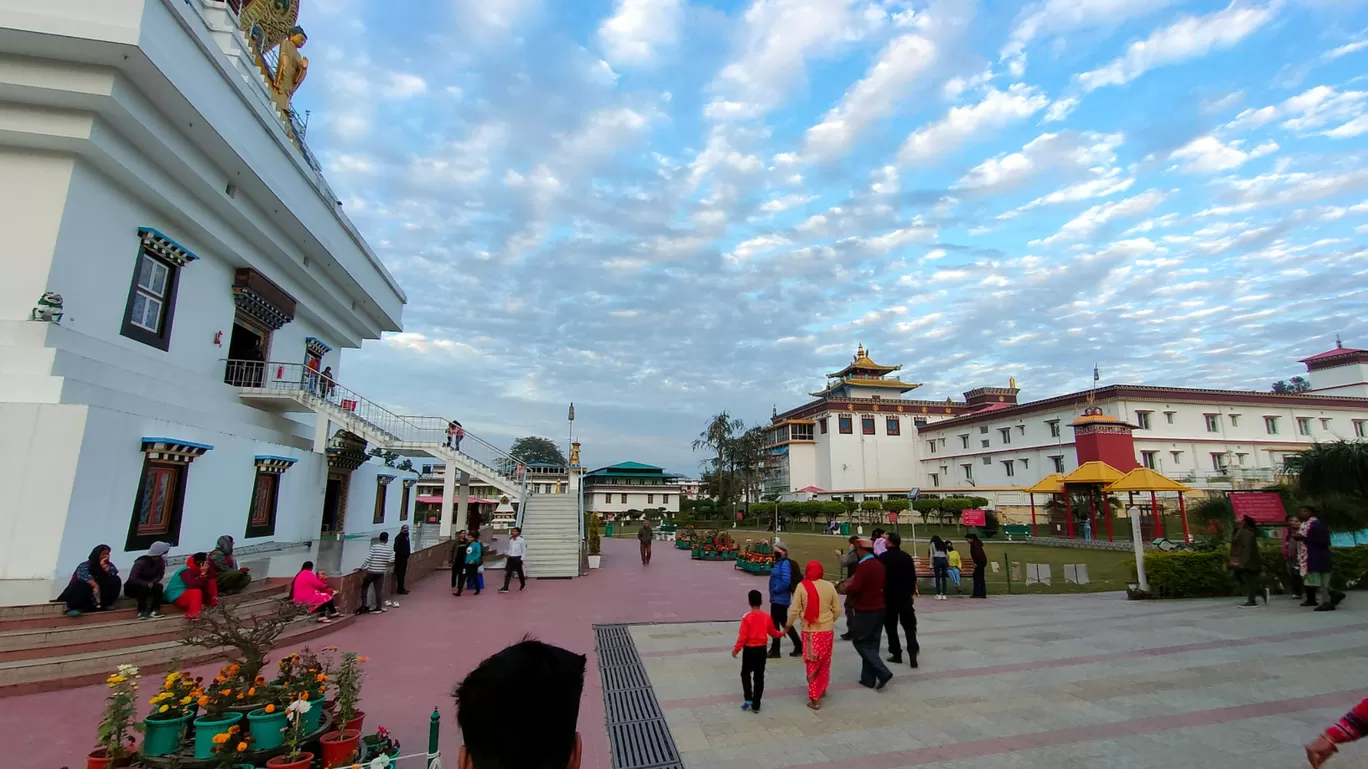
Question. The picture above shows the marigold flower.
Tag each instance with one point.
(363, 659)
(303, 695)
(203, 702)
(252, 691)
(225, 692)
(219, 739)
(241, 746)
(163, 708)
(270, 708)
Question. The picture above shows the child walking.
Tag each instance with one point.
(757, 628)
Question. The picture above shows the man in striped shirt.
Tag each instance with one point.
(376, 566)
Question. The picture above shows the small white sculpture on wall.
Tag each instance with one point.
(49, 308)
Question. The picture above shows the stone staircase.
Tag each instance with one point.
(551, 525)
(41, 649)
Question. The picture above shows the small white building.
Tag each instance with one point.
(627, 490)
(156, 187)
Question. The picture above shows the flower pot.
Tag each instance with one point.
(302, 761)
(206, 727)
(98, 760)
(267, 728)
(163, 736)
(339, 748)
(355, 722)
(594, 561)
(313, 719)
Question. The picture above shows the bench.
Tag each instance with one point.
(1014, 530)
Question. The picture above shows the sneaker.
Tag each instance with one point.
(389, 603)
(142, 615)
(155, 615)
(1248, 604)
(73, 612)
(503, 590)
(382, 609)
(363, 610)
(746, 705)
(1325, 607)
(324, 621)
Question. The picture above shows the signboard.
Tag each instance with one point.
(1262, 506)
(893, 518)
(913, 494)
(974, 517)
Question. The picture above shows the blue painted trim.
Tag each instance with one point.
(179, 442)
(385, 475)
(291, 460)
(159, 234)
(326, 347)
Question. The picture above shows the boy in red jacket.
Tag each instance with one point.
(756, 630)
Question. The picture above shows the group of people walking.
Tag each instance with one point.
(95, 584)
(467, 563)
(1307, 560)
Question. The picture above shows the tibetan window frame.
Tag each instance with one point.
(845, 424)
(382, 483)
(169, 460)
(269, 470)
(161, 251)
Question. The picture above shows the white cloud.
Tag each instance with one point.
(1253, 118)
(962, 124)
(1187, 38)
(757, 245)
(780, 204)
(1208, 155)
(1060, 110)
(1346, 49)
(956, 86)
(1308, 111)
(899, 65)
(638, 29)
(405, 86)
(1050, 152)
(1356, 127)
(1090, 222)
(1055, 17)
(1287, 189)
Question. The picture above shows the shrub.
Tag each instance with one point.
(871, 505)
(591, 528)
(1189, 574)
(896, 505)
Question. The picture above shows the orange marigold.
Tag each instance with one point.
(203, 702)
(270, 708)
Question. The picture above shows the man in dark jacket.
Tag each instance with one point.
(900, 583)
(1244, 559)
(402, 551)
(781, 577)
(980, 560)
(458, 559)
(866, 592)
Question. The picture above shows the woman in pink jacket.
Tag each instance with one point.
(310, 591)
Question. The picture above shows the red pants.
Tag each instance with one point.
(193, 598)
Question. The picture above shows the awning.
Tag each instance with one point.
(1094, 473)
(436, 499)
(1050, 484)
(1145, 479)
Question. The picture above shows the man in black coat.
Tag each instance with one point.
(402, 551)
(899, 586)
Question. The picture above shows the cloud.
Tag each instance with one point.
(639, 29)
(1278, 189)
(1346, 49)
(1056, 17)
(1060, 110)
(962, 125)
(1308, 111)
(1091, 222)
(1209, 155)
(1187, 38)
(1061, 154)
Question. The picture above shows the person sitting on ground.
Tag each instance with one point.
(94, 584)
(543, 684)
(190, 587)
(310, 591)
(224, 569)
(144, 581)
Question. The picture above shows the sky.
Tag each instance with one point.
(660, 209)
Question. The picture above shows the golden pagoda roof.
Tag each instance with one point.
(862, 362)
(1094, 472)
(1050, 484)
(1145, 479)
(896, 384)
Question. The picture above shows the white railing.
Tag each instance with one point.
(398, 432)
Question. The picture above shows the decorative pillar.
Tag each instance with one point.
(1092, 512)
(322, 431)
(463, 503)
(1182, 510)
(448, 495)
(1033, 517)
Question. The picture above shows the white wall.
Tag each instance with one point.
(665, 496)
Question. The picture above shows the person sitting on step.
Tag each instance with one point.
(94, 584)
(224, 569)
(144, 581)
(311, 591)
(191, 588)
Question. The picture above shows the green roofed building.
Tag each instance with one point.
(629, 490)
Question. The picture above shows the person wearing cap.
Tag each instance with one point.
(866, 593)
(144, 581)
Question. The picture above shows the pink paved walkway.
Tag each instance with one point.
(419, 652)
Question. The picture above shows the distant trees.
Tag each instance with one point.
(1291, 386)
(735, 470)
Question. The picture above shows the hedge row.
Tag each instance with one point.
(1189, 574)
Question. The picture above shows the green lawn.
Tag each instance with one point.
(1107, 570)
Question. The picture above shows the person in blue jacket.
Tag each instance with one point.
(783, 579)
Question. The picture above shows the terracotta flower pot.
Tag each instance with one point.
(339, 748)
(355, 723)
(98, 760)
(302, 761)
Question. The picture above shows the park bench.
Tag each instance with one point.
(1016, 531)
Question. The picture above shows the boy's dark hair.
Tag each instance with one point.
(384, 536)
(503, 684)
(755, 598)
(201, 558)
(308, 566)
(878, 533)
(853, 538)
(894, 539)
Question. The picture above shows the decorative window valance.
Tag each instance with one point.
(384, 480)
(408, 482)
(164, 247)
(346, 451)
(316, 346)
(274, 465)
(257, 296)
(168, 450)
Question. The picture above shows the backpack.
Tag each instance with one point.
(795, 575)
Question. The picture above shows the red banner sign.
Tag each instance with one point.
(1262, 506)
(892, 517)
(974, 517)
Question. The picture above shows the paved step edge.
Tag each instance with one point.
(129, 611)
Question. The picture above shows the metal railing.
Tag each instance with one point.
(347, 407)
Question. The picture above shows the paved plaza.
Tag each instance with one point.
(1034, 681)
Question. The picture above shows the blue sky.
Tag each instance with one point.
(663, 208)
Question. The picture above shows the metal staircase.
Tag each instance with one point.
(294, 387)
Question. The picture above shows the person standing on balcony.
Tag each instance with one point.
(376, 566)
(402, 550)
(327, 382)
(517, 550)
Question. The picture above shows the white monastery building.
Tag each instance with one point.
(863, 439)
(163, 198)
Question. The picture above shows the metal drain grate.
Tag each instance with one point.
(637, 732)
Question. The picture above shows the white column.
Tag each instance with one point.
(321, 427)
(463, 503)
(448, 495)
(1136, 539)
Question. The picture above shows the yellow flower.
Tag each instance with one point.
(241, 746)
(116, 679)
(185, 700)
(163, 708)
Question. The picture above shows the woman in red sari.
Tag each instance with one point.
(815, 609)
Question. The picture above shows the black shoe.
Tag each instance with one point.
(503, 590)
(796, 653)
(755, 707)
(1335, 598)
(896, 659)
(845, 636)
(914, 662)
(402, 592)
(363, 610)
(883, 682)
(1247, 604)
(867, 686)
(1325, 607)
(773, 655)
(1308, 603)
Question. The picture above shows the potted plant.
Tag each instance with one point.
(266, 724)
(595, 543)
(339, 747)
(348, 680)
(303, 673)
(293, 757)
(382, 743)
(233, 749)
(216, 698)
(117, 724)
(172, 709)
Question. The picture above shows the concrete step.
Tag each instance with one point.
(52, 614)
(69, 671)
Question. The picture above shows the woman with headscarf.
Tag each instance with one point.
(144, 581)
(815, 609)
(94, 585)
(191, 587)
(223, 568)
